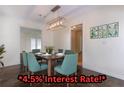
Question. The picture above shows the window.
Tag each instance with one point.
(38, 43)
(35, 43)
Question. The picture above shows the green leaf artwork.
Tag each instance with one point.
(113, 30)
(105, 31)
(94, 32)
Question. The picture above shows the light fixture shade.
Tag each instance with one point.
(56, 23)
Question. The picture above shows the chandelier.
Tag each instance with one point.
(56, 23)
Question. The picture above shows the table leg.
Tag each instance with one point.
(49, 67)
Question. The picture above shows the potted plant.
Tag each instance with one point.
(49, 49)
(2, 50)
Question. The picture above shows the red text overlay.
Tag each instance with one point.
(62, 79)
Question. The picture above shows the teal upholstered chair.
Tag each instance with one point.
(34, 51)
(69, 52)
(69, 65)
(24, 61)
(33, 65)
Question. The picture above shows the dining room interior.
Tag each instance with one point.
(62, 42)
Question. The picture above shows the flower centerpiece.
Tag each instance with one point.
(49, 49)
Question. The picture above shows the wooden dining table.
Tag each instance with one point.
(50, 59)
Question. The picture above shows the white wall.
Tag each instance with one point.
(25, 38)
(10, 36)
(59, 39)
(101, 55)
(47, 37)
(104, 55)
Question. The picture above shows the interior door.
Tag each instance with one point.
(76, 41)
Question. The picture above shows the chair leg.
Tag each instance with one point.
(31, 85)
(67, 84)
(75, 73)
(54, 72)
(31, 73)
(23, 69)
(26, 69)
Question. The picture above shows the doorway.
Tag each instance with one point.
(30, 38)
(76, 41)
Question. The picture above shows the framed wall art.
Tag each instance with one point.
(105, 31)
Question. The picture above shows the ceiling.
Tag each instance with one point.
(32, 12)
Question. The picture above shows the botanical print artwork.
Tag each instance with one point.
(100, 32)
(113, 30)
(104, 31)
(94, 32)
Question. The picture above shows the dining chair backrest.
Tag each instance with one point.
(60, 50)
(69, 52)
(24, 58)
(69, 64)
(35, 50)
(32, 62)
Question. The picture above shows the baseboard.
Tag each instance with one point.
(11, 65)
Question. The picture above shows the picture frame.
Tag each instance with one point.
(105, 31)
